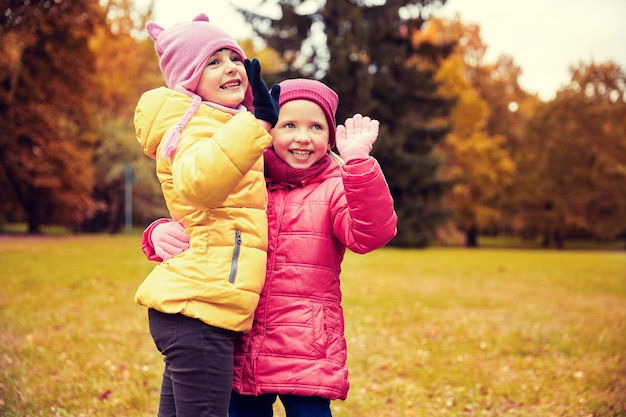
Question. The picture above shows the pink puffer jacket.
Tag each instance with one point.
(297, 344)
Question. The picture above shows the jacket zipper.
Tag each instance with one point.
(234, 263)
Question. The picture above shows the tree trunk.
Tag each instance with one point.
(471, 237)
(559, 242)
(34, 227)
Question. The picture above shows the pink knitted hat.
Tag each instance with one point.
(183, 50)
(315, 91)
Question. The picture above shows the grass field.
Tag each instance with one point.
(435, 332)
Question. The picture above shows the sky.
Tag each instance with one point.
(543, 37)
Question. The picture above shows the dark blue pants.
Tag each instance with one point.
(295, 405)
(198, 375)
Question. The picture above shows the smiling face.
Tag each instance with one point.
(224, 80)
(300, 137)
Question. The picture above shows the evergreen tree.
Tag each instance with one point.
(370, 58)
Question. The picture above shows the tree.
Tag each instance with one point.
(573, 167)
(118, 84)
(377, 69)
(476, 162)
(45, 145)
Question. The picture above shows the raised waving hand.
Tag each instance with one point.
(356, 137)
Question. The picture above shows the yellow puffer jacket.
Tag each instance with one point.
(214, 185)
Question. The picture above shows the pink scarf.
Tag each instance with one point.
(279, 171)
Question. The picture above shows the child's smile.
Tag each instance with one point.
(300, 137)
(224, 80)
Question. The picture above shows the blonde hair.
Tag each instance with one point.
(335, 156)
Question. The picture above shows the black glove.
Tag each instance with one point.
(265, 104)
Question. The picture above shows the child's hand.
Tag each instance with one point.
(169, 239)
(356, 138)
(265, 104)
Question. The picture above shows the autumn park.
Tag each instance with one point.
(502, 294)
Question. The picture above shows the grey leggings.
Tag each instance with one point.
(198, 374)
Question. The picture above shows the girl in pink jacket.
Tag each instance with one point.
(319, 205)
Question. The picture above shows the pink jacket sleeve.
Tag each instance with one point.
(364, 217)
(146, 240)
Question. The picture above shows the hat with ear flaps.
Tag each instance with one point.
(315, 91)
(183, 50)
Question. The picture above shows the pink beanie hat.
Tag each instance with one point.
(183, 50)
(315, 91)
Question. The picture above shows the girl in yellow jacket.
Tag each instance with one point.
(208, 149)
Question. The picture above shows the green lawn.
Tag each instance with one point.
(435, 332)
